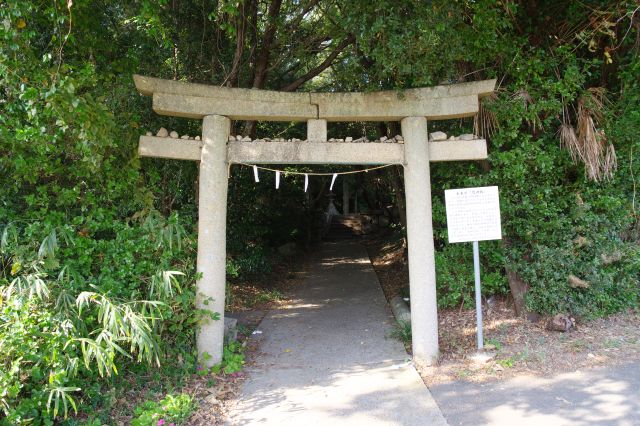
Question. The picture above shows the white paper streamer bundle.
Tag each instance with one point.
(255, 174)
(277, 179)
(306, 182)
(333, 179)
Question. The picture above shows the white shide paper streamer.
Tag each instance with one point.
(277, 180)
(306, 182)
(333, 179)
(255, 174)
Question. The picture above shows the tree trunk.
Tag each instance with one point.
(241, 30)
(518, 290)
(262, 63)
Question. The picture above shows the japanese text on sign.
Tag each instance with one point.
(473, 214)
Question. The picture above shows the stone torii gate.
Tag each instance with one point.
(217, 106)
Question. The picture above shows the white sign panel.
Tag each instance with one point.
(473, 214)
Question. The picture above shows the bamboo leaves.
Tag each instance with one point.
(60, 394)
(163, 284)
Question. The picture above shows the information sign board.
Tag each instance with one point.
(473, 214)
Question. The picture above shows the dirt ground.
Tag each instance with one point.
(519, 345)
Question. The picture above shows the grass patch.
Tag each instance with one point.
(506, 362)
(494, 342)
(612, 343)
(402, 332)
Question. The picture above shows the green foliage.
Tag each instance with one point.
(174, 410)
(56, 337)
(402, 331)
(548, 206)
(455, 275)
(506, 362)
(232, 359)
(557, 223)
(495, 342)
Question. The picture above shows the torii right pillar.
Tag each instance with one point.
(422, 269)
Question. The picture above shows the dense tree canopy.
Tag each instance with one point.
(91, 232)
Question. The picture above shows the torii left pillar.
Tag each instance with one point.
(212, 229)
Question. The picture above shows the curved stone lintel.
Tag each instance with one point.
(150, 85)
(371, 107)
(479, 89)
(236, 109)
(198, 100)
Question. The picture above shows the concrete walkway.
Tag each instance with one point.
(328, 359)
(600, 396)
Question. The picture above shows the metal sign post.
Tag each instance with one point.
(476, 270)
(473, 215)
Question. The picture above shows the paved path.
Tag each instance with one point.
(602, 396)
(327, 359)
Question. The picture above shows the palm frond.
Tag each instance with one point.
(569, 141)
(485, 122)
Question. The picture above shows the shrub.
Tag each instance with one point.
(62, 331)
(172, 410)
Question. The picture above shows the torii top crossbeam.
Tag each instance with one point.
(198, 100)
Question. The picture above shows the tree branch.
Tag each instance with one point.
(324, 65)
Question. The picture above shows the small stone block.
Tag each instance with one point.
(230, 329)
(348, 139)
(232, 138)
(162, 133)
(467, 137)
(174, 134)
(317, 130)
(438, 136)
